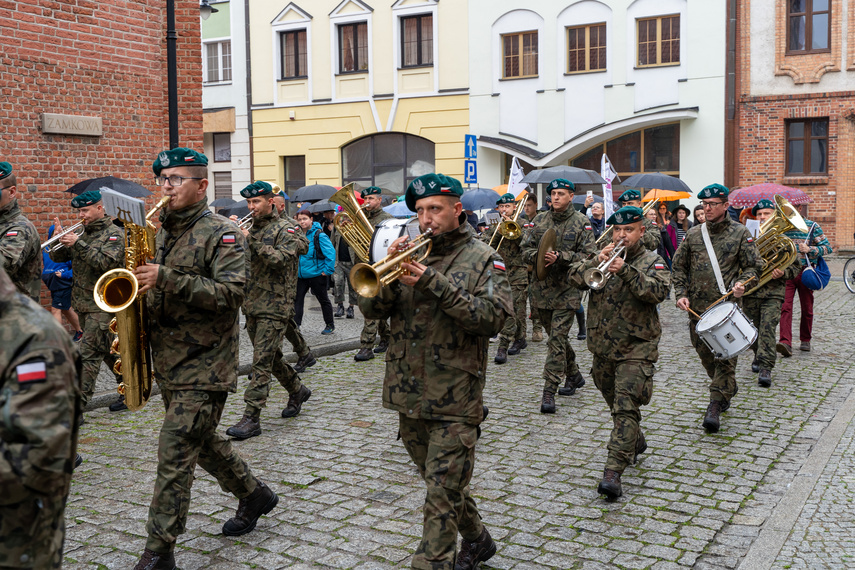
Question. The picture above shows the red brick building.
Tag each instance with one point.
(91, 60)
(793, 103)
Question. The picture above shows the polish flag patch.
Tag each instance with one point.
(499, 265)
(12, 233)
(589, 228)
(290, 230)
(31, 372)
(750, 239)
(113, 238)
(229, 239)
(658, 266)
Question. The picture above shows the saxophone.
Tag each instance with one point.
(117, 292)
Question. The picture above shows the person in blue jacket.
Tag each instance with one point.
(57, 277)
(315, 269)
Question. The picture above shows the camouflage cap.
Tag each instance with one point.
(629, 195)
(714, 191)
(257, 188)
(561, 183)
(506, 198)
(626, 215)
(370, 191)
(763, 205)
(178, 157)
(86, 199)
(431, 185)
(5, 170)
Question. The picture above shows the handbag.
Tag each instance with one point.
(815, 276)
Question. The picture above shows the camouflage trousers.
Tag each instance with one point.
(626, 385)
(722, 373)
(444, 453)
(32, 532)
(515, 327)
(295, 338)
(765, 314)
(342, 283)
(371, 329)
(189, 436)
(95, 348)
(560, 356)
(266, 336)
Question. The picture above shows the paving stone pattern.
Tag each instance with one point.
(350, 497)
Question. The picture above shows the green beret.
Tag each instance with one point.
(714, 191)
(86, 199)
(561, 183)
(626, 215)
(431, 185)
(763, 205)
(629, 195)
(370, 191)
(506, 198)
(178, 157)
(5, 170)
(257, 188)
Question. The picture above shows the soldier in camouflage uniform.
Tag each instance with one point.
(274, 250)
(443, 315)
(194, 290)
(763, 306)
(652, 235)
(696, 287)
(100, 249)
(623, 337)
(511, 252)
(373, 327)
(555, 299)
(40, 399)
(20, 247)
(529, 213)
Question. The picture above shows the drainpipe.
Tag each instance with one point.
(172, 73)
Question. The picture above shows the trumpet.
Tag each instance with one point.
(367, 280)
(596, 277)
(53, 245)
(245, 222)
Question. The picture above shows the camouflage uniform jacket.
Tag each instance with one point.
(38, 421)
(652, 235)
(511, 250)
(274, 249)
(623, 323)
(775, 288)
(378, 216)
(193, 309)
(20, 250)
(436, 363)
(574, 242)
(100, 249)
(737, 256)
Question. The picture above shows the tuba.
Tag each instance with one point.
(777, 250)
(116, 292)
(352, 223)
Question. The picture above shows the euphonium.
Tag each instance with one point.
(510, 229)
(596, 277)
(606, 236)
(777, 250)
(117, 292)
(352, 223)
(367, 280)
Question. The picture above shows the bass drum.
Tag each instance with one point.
(726, 331)
(388, 231)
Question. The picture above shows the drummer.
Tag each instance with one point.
(700, 278)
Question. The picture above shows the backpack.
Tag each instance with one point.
(318, 253)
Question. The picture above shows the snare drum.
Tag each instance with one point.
(726, 330)
(388, 231)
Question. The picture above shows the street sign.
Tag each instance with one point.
(471, 146)
(471, 172)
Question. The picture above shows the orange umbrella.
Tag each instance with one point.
(502, 189)
(665, 195)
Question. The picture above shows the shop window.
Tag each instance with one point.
(390, 161)
(655, 149)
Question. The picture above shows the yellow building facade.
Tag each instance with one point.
(347, 91)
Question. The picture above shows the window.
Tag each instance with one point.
(807, 146)
(809, 25)
(222, 147)
(659, 41)
(295, 173)
(222, 185)
(218, 58)
(417, 41)
(519, 55)
(293, 51)
(655, 149)
(586, 48)
(390, 161)
(353, 47)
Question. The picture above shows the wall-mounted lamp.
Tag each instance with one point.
(205, 10)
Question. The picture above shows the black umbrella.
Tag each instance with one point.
(321, 206)
(239, 209)
(120, 185)
(222, 203)
(313, 193)
(479, 199)
(656, 180)
(571, 173)
(580, 198)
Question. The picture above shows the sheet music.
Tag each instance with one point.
(125, 208)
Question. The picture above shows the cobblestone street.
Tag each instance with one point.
(773, 489)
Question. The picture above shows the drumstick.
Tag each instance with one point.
(726, 295)
(694, 313)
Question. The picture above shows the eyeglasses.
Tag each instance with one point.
(174, 180)
(711, 204)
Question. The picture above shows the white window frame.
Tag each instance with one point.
(219, 42)
(337, 20)
(276, 28)
(400, 12)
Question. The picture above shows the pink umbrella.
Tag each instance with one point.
(750, 195)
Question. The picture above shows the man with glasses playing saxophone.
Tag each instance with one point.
(623, 334)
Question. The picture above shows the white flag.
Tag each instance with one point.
(607, 172)
(515, 183)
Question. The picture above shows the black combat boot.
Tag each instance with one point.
(501, 356)
(571, 384)
(580, 319)
(250, 509)
(640, 446)
(382, 346)
(471, 554)
(339, 311)
(547, 404)
(610, 485)
(712, 419)
(119, 404)
(295, 402)
(247, 427)
(765, 378)
(156, 561)
(517, 346)
(755, 366)
(305, 362)
(350, 312)
(364, 354)
(78, 461)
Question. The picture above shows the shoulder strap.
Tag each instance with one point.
(713, 261)
(167, 250)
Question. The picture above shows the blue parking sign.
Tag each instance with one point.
(471, 147)
(471, 172)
